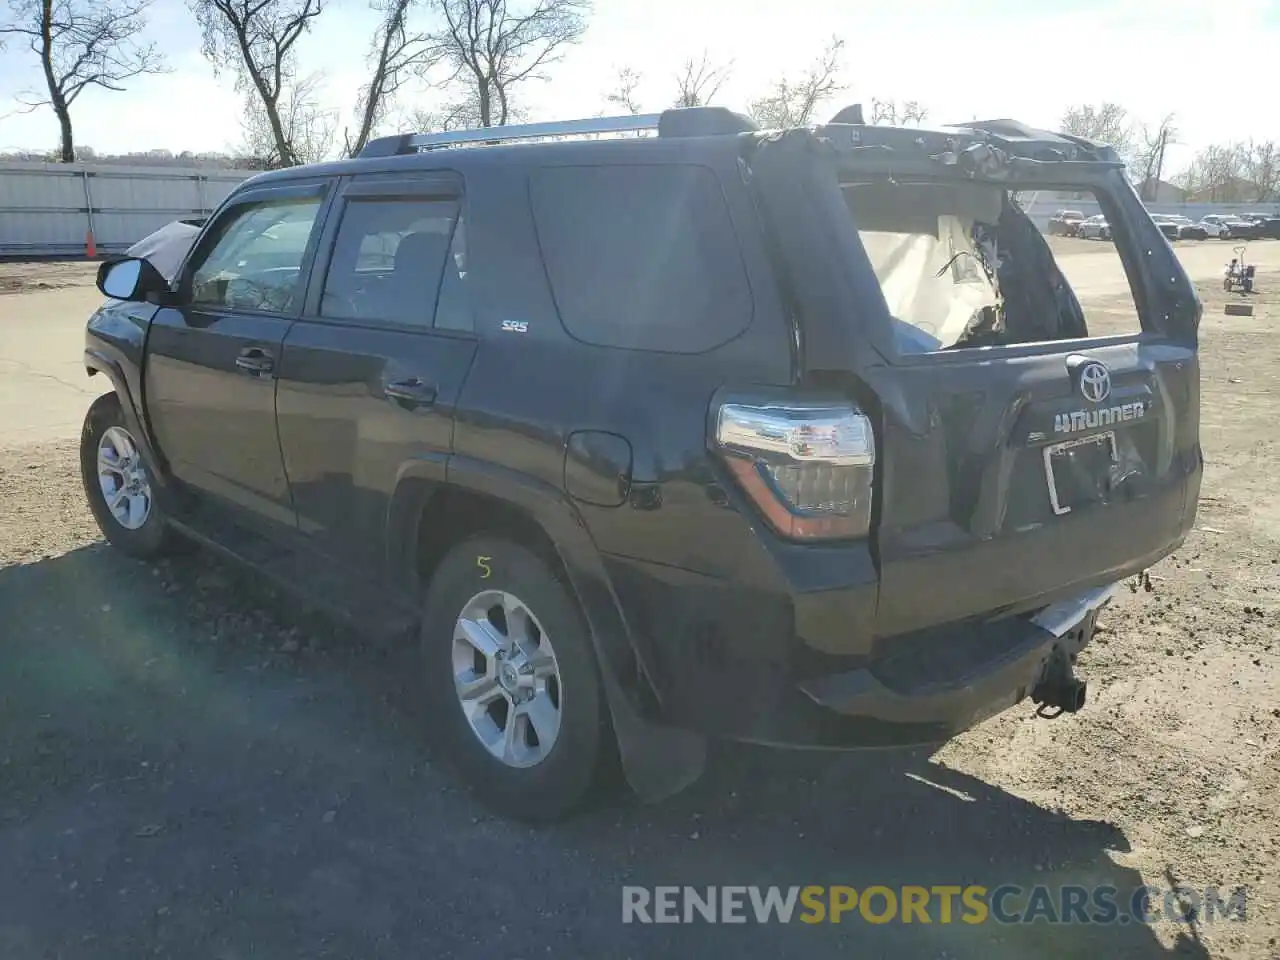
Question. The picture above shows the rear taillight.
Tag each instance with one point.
(809, 468)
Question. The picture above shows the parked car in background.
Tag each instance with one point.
(1166, 225)
(1265, 226)
(1227, 227)
(1065, 223)
(1095, 228)
(1188, 229)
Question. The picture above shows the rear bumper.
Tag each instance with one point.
(921, 695)
(732, 667)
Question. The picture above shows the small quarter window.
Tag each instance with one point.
(642, 257)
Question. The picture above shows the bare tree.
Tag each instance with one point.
(894, 114)
(623, 95)
(1261, 163)
(1107, 123)
(791, 102)
(699, 81)
(309, 128)
(492, 48)
(81, 44)
(463, 114)
(397, 55)
(256, 39)
(1149, 145)
(1216, 175)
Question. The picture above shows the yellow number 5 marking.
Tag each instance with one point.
(483, 564)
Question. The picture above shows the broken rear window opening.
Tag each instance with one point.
(962, 265)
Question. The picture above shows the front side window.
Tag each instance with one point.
(256, 261)
(388, 260)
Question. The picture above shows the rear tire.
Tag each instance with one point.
(512, 686)
(118, 486)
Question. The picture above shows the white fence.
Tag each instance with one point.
(51, 209)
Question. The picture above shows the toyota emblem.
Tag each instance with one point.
(1095, 382)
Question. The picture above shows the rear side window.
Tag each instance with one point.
(388, 259)
(641, 257)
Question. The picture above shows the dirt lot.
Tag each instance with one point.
(191, 768)
(17, 276)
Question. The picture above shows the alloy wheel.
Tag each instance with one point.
(507, 679)
(122, 477)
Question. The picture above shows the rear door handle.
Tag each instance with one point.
(410, 392)
(255, 360)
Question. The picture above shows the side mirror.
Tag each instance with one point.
(131, 278)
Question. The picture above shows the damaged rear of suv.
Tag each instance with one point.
(924, 521)
(666, 428)
(1015, 464)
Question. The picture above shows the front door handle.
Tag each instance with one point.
(255, 360)
(410, 392)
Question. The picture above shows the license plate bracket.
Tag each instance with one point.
(1058, 455)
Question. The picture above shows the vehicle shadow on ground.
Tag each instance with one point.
(176, 780)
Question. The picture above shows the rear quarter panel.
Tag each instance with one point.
(532, 386)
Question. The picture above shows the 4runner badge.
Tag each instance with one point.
(1078, 420)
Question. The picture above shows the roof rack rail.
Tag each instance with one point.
(416, 142)
(676, 122)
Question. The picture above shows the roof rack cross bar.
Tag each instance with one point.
(533, 131)
(673, 123)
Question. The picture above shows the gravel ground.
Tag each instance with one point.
(23, 276)
(190, 767)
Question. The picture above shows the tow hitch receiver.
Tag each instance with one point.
(1073, 622)
(1059, 687)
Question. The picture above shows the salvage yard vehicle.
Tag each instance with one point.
(1227, 227)
(1189, 229)
(662, 428)
(1095, 228)
(1265, 227)
(1166, 225)
(1177, 227)
(1065, 223)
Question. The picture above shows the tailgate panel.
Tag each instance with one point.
(1022, 570)
(968, 523)
(963, 522)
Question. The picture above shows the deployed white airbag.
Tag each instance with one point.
(166, 247)
(933, 283)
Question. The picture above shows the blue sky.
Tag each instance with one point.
(981, 58)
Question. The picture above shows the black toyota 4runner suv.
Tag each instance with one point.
(664, 428)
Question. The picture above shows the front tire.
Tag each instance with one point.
(513, 689)
(118, 486)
